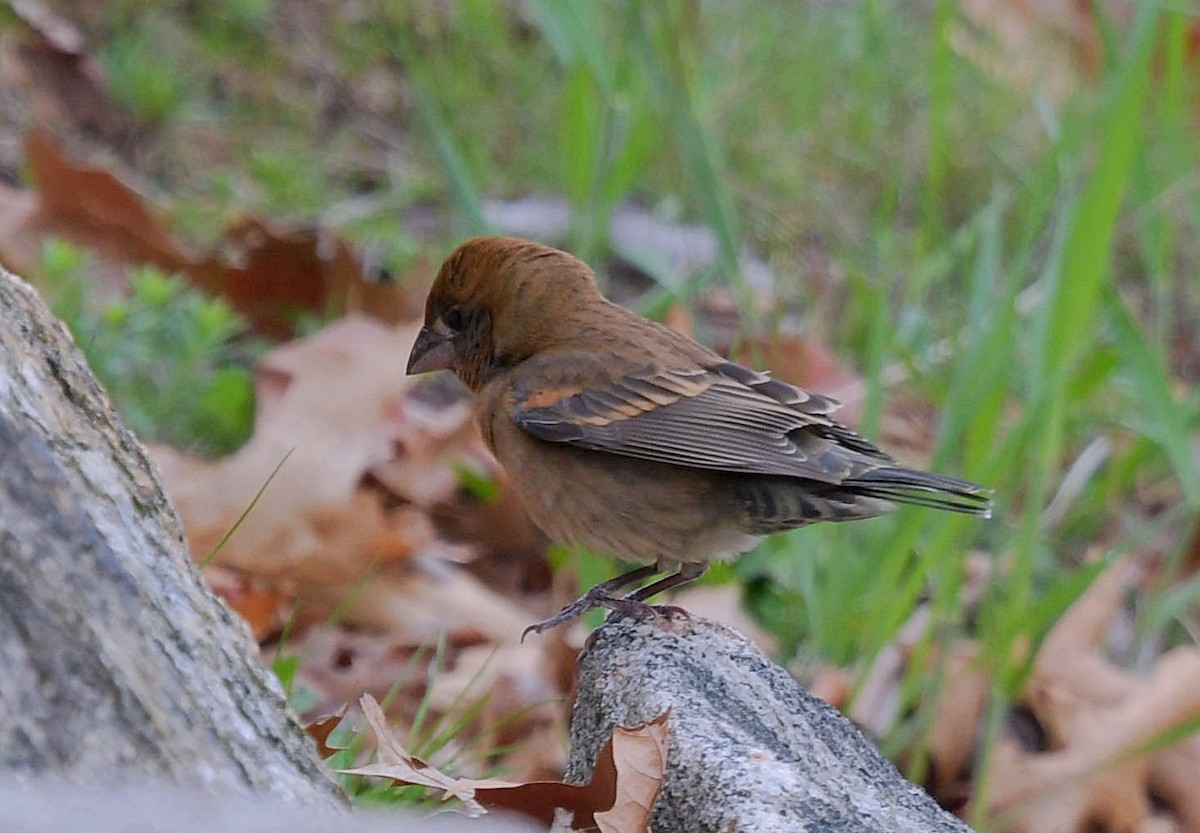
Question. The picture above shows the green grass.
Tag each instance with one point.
(1029, 262)
(168, 355)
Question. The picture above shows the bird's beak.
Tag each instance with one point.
(431, 351)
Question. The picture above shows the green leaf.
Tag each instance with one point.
(1069, 315)
(1163, 418)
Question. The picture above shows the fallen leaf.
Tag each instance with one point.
(63, 83)
(522, 709)
(1173, 782)
(618, 799)
(624, 784)
(962, 697)
(832, 684)
(269, 272)
(436, 444)
(266, 271)
(321, 728)
(265, 605)
(640, 759)
(337, 664)
(395, 763)
(331, 422)
(1048, 46)
(1097, 768)
(89, 207)
(505, 700)
(422, 601)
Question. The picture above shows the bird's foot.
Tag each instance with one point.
(588, 601)
(638, 609)
(599, 595)
(623, 607)
(672, 610)
(634, 608)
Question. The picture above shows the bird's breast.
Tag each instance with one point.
(633, 510)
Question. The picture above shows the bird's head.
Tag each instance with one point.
(497, 301)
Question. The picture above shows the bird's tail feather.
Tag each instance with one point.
(923, 489)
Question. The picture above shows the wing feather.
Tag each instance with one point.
(723, 417)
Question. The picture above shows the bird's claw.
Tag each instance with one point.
(571, 612)
(633, 608)
(637, 609)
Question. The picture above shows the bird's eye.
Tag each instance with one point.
(455, 318)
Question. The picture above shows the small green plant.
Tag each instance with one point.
(289, 184)
(141, 76)
(167, 354)
(233, 29)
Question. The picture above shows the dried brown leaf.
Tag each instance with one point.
(640, 759)
(436, 443)
(1047, 45)
(63, 83)
(1173, 782)
(831, 684)
(266, 271)
(321, 728)
(265, 605)
(89, 207)
(618, 799)
(952, 733)
(1102, 726)
(332, 416)
(396, 763)
(338, 664)
(420, 601)
(1082, 626)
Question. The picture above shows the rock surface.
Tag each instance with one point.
(750, 750)
(118, 663)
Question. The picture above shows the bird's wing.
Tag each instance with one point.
(723, 417)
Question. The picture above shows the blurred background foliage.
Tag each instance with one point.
(1002, 227)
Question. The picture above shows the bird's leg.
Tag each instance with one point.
(599, 595)
(635, 603)
(687, 572)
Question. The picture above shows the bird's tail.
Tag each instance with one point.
(923, 489)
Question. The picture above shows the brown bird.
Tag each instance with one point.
(628, 438)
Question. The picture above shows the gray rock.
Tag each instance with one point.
(750, 750)
(118, 662)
